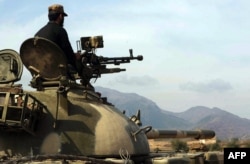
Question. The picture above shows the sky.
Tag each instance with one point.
(196, 53)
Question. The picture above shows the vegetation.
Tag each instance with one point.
(179, 146)
(216, 146)
(234, 143)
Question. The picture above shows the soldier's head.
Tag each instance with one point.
(56, 13)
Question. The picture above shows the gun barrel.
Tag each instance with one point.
(197, 134)
(119, 60)
(111, 70)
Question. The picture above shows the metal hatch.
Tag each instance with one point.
(43, 57)
(11, 67)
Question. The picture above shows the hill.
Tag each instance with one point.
(225, 124)
(151, 114)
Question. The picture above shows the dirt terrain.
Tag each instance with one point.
(165, 144)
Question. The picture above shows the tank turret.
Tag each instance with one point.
(63, 118)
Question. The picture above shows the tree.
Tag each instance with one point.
(179, 146)
(233, 143)
(215, 146)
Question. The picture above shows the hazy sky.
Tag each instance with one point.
(195, 52)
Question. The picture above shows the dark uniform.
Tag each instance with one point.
(57, 34)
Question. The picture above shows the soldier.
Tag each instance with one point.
(55, 32)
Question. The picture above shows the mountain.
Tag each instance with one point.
(151, 114)
(225, 124)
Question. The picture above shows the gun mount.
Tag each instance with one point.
(52, 66)
(92, 66)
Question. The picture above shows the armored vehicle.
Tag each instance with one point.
(64, 120)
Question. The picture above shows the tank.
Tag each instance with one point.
(64, 120)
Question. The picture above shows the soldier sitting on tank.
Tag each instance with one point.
(55, 32)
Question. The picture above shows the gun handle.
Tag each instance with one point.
(78, 45)
(131, 52)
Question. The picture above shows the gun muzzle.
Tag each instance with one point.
(139, 57)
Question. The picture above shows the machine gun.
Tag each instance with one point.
(92, 66)
(52, 68)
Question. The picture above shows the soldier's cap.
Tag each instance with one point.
(57, 8)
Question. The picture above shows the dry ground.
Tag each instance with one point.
(165, 144)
